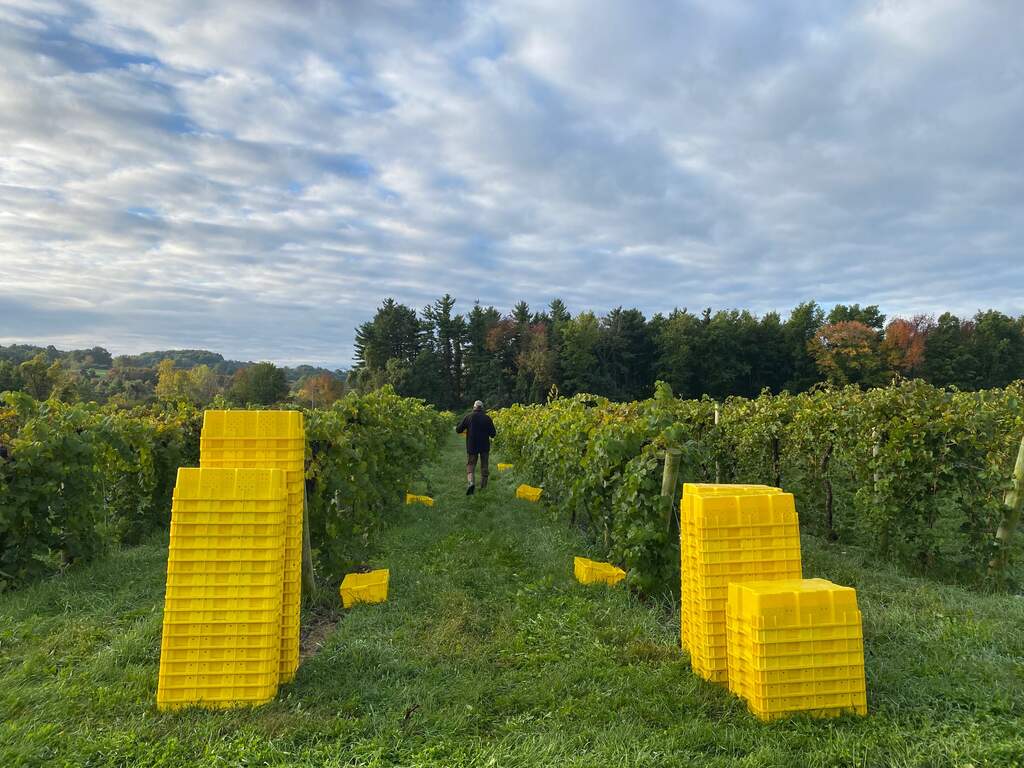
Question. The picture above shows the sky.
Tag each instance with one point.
(256, 177)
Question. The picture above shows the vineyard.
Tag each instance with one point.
(81, 479)
(910, 473)
(483, 603)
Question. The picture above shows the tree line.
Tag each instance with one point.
(450, 359)
(196, 377)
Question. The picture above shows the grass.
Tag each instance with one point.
(489, 654)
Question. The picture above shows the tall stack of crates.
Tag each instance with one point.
(729, 534)
(221, 642)
(796, 646)
(268, 440)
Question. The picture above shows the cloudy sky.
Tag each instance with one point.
(254, 177)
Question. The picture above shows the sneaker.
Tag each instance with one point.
(470, 489)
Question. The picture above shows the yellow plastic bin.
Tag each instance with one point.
(529, 493)
(369, 587)
(412, 498)
(593, 572)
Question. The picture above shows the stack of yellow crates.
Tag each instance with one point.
(796, 646)
(729, 534)
(268, 440)
(221, 643)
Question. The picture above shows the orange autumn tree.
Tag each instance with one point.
(321, 390)
(904, 343)
(848, 352)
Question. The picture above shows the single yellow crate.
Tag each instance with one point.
(269, 445)
(223, 583)
(231, 486)
(594, 572)
(369, 587)
(502, 467)
(529, 493)
(209, 637)
(209, 691)
(412, 498)
(185, 564)
(794, 603)
(263, 424)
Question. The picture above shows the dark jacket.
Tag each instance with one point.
(481, 430)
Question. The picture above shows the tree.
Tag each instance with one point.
(394, 334)
(904, 344)
(948, 354)
(37, 376)
(483, 377)
(625, 354)
(679, 339)
(536, 363)
(448, 336)
(998, 342)
(203, 384)
(172, 385)
(869, 315)
(10, 378)
(578, 358)
(847, 353)
(321, 390)
(259, 384)
(798, 331)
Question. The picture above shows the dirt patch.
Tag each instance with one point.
(315, 634)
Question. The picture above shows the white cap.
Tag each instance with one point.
(478, 405)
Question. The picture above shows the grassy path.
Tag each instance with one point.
(488, 653)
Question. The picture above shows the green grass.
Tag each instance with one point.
(488, 653)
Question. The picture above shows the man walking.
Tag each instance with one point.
(480, 430)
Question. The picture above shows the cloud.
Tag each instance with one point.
(256, 178)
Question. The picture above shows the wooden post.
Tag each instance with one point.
(1012, 503)
(669, 481)
(308, 576)
(718, 475)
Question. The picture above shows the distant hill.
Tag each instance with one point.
(100, 358)
(97, 357)
(183, 358)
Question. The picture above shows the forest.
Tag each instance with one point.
(450, 358)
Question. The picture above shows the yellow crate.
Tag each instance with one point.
(230, 485)
(369, 587)
(794, 603)
(223, 581)
(529, 493)
(251, 424)
(593, 572)
(226, 637)
(412, 498)
(209, 655)
(211, 691)
(186, 564)
(270, 446)
(503, 467)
